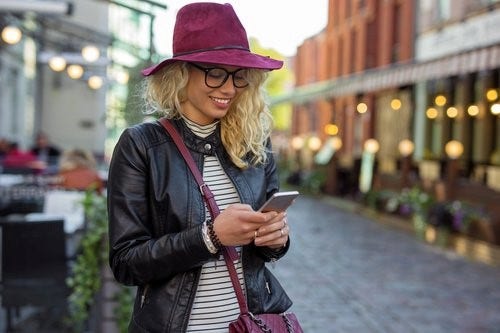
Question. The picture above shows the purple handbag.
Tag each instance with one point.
(266, 322)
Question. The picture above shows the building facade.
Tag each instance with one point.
(40, 98)
(394, 70)
(49, 83)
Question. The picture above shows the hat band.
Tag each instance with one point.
(212, 49)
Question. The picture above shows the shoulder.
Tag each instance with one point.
(144, 134)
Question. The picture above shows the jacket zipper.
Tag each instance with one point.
(144, 293)
(268, 288)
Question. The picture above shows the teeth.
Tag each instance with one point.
(221, 100)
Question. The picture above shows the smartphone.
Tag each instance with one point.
(279, 201)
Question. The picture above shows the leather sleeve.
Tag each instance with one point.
(137, 255)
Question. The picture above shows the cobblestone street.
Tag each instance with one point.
(350, 274)
(347, 273)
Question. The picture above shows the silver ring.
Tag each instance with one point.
(281, 232)
(255, 234)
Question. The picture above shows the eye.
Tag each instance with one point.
(217, 73)
(241, 75)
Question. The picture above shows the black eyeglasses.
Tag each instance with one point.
(215, 77)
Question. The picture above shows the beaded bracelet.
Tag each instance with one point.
(213, 236)
(206, 238)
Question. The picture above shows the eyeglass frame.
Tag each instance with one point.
(228, 74)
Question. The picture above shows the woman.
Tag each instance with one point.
(161, 235)
(78, 171)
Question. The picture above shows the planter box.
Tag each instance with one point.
(463, 245)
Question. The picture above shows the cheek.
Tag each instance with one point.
(196, 88)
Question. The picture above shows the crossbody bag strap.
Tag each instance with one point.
(228, 252)
(235, 280)
(204, 189)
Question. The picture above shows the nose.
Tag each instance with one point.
(228, 86)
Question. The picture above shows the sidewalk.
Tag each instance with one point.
(346, 273)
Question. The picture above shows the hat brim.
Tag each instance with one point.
(228, 57)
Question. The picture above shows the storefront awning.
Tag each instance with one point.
(395, 76)
(37, 6)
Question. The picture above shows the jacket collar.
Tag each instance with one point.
(210, 145)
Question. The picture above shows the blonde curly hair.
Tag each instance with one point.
(77, 158)
(246, 127)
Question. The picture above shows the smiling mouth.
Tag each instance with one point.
(221, 100)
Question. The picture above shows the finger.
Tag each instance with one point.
(275, 243)
(272, 227)
(274, 238)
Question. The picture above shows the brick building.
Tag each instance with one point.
(394, 70)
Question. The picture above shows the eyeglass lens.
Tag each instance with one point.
(216, 77)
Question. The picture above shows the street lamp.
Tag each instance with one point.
(370, 148)
(362, 108)
(495, 109)
(314, 143)
(406, 148)
(335, 144)
(454, 149)
(297, 143)
(396, 104)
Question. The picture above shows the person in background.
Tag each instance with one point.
(162, 238)
(78, 171)
(18, 160)
(4, 147)
(44, 150)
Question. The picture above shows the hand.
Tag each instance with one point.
(238, 224)
(273, 234)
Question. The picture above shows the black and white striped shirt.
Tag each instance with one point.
(215, 304)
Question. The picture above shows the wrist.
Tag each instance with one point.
(213, 236)
(206, 238)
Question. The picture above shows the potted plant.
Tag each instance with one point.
(416, 203)
(87, 276)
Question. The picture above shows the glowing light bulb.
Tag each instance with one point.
(11, 35)
(95, 82)
(75, 71)
(57, 63)
(90, 53)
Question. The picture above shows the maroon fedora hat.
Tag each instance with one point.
(212, 33)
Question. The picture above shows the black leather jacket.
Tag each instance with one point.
(156, 213)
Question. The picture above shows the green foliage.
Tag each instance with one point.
(132, 113)
(313, 181)
(85, 280)
(125, 300)
(282, 115)
(277, 84)
(417, 200)
(386, 200)
(464, 214)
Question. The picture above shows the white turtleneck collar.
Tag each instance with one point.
(200, 130)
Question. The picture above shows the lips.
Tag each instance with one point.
(221, 100)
